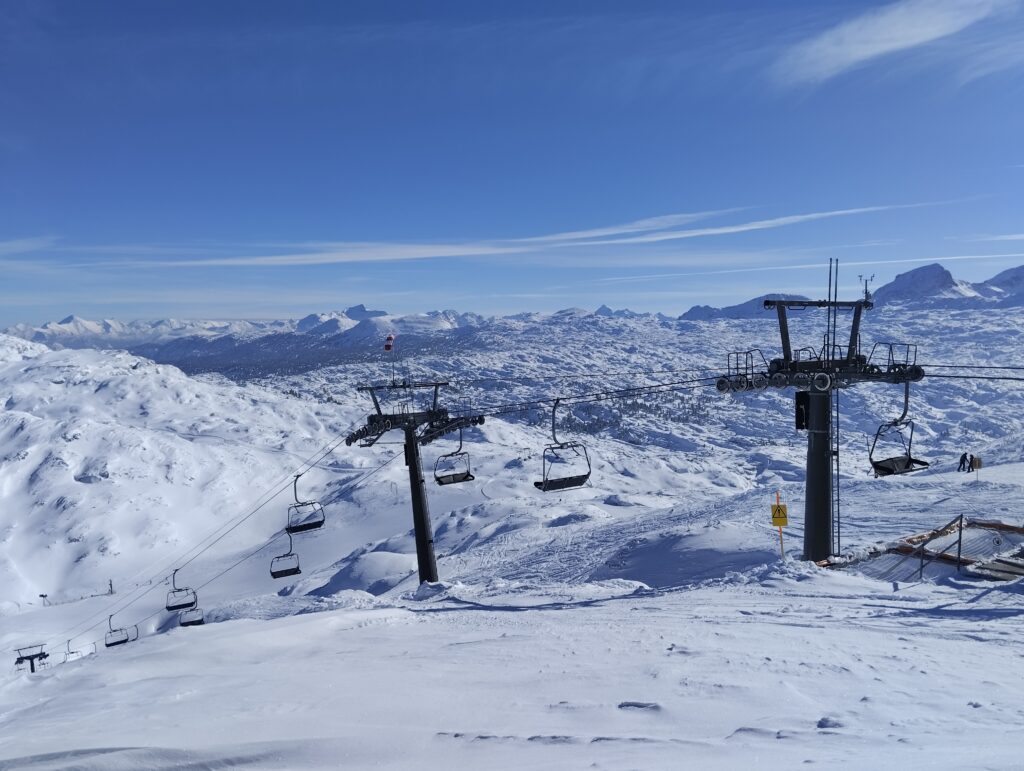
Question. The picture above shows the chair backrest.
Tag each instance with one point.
(181, 599)
(553, 456)
(305, 515)
(193, 617)
(116, 637)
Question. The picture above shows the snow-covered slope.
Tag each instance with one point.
(108, 458)
(108, 462)
(1008, 287)
(618, 625)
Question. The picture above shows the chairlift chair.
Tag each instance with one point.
(191, 617)
(304, 515)
(70, 655)
(119, 636)
(453, 468)
(903, 429)
(553, 456)
(286, 564)
(180, 599)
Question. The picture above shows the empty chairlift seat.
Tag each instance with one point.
(564, 465)
(304, 515)
(120, 636)
(454, 467)
(901, 464)
(286, 564)
(555, 456)
(180, 599)
(897, 434)
(75, 655)
(115, 637)
(192, 617)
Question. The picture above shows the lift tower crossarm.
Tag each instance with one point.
(31, 654)
(452, 425)
(769, 304)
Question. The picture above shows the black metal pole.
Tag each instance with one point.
(787, 350)
(420, 513)
(959, 542)
(818, 490)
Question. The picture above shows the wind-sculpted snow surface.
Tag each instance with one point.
(786, 664)
(109, 462)
(645, 620)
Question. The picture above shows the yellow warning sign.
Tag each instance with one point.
(779, 515)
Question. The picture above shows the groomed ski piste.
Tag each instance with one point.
(644, 621)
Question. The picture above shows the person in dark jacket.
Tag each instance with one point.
(963, 462)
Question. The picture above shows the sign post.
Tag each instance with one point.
(780, 519)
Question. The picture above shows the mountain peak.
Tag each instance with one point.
(927, 284)
(750, 309)
(360, 313)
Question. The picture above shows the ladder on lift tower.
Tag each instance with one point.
(837, 520)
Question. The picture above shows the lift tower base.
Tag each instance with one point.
(425, 560)
(818, 490)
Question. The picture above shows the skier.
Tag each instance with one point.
(970, 463)
(963, 463)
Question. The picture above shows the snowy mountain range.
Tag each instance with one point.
(255, 348)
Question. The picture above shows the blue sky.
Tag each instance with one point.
(267, 159)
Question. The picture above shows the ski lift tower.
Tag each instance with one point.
(33, 655)
(817, 375)
(420, 427)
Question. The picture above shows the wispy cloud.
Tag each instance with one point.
(746, 227)
(601, 244)
(1006, 237)
(361, 252)
(993, 53)
(26, 245)
(880, 32)
(638, 226)
(328, 252)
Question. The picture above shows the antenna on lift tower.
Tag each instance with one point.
(817, 375)
(866, 282)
